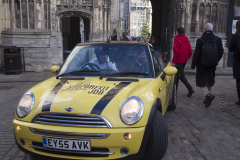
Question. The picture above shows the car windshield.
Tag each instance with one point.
(117, 60)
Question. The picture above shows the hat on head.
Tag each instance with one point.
(98, 50)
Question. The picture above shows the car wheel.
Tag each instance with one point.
(158, 140)
(173, 103)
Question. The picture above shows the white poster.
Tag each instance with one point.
(234, 26)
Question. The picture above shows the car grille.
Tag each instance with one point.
(70, 134)
(95, 152)
(71, 119)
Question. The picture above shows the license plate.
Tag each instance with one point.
(66, 144)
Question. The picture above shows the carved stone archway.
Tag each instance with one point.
(75, 8)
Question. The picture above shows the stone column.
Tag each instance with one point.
(91, 29)
(183, 11)
(95, 21)
(4, 15)
(28, 16)
(101, 21)
(197, 18)
(109, 26)
(21, 12)
(105, 24)
(13, 15)
(188, 19)
(42, 15)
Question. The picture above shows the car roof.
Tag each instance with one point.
(112, 42)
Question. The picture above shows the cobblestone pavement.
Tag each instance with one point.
(194, 131)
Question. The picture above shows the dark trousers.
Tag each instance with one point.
(180, 75)
(238, 88)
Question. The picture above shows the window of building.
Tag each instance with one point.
(214, 16)
(17, 14)
(201, 17)
(194, 12)
(207, 13)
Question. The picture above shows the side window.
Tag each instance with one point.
(158, 63)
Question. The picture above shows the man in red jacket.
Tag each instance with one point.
(182, 51)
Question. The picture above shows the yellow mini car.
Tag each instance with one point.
(106, 101)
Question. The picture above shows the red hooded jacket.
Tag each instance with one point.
(182, 49)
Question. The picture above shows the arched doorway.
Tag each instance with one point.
(75, 27)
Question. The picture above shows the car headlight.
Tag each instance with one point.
(25, 105)
(132, 110)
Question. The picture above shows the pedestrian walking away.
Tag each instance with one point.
(182, 51)
(208, 53)
(235, 48)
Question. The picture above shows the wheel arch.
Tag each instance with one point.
(157, 105)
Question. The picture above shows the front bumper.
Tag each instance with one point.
(110, 146)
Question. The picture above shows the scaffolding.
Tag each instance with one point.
(141, 12)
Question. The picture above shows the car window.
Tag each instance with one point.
(110, 59)
(157, 62)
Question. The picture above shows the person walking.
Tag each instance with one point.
(208, 53)
(182, 51)
(235, 48)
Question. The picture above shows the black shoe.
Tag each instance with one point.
(190, 92)
(208, 100)
(204, 101)
(238, 103)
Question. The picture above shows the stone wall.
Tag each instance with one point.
(41, 49)
(36, 26)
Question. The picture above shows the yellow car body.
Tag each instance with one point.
(56, 100)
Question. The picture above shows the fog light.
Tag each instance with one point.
(124, 151)
(127, 136)
(22, 142)
(18, 128)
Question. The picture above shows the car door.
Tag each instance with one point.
(161, 85)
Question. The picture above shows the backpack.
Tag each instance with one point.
(209, 53)
(238, 48)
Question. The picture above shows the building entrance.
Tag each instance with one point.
(70, 33)
(75, 28)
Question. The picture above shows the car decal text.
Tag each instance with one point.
(93, 89)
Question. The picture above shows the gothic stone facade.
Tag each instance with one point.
(35, 25)
(194, 14)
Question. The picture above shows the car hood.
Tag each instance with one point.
(88, 96)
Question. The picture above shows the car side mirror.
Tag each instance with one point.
(54, 69)
(169, 71)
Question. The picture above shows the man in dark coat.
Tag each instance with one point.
(236, 61)
(205, 76)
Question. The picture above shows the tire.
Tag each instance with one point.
(158, 140)
(173, 102)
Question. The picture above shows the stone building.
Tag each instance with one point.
(194, 14)
(46, 28)
(141, 12)
(120, 17)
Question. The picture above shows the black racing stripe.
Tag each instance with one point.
(123, 80)
(48, 102)
(103, 102)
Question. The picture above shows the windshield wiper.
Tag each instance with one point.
(73, 72)
(123, 73)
